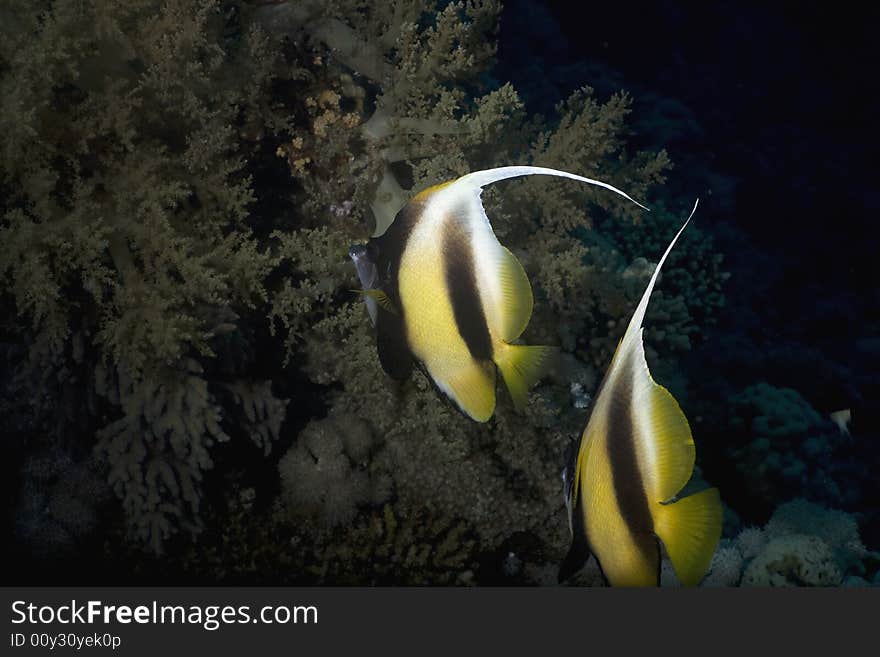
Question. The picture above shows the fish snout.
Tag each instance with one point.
(368, 251)
(357, 251)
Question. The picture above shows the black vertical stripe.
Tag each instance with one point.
(391, 245)
(629, 489)
(461, 282)
(579, 551)
(392, 344)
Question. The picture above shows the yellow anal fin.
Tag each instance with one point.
(516, 300)
(472, 388)
(521, 366)
(690, 529)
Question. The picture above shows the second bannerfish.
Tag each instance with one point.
(623, 485)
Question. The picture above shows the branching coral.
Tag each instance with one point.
(501, 477)
(164, 282)
(421, 129)
(123, 240)
(263, 412)
(160, 447)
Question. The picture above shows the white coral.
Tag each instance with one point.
(751, 541)
(838, 529)
(794, 560)
(725, 569)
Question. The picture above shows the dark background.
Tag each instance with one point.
(767, 111)
(781, 99)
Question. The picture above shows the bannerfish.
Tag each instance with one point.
(622, 483)
(442, 291)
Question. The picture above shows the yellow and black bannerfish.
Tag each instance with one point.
(635, 456)
(443, 291)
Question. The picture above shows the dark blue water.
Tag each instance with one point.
(773, 109)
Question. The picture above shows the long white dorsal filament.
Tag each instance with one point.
(489, 176)
(635, 323)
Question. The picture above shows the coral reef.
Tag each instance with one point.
(180, 184)
(60, 502)
(725, 568)
(838, 530)
(390, 547)
(785, 449)
(502, 477)
(127, 249)
(793, 560)
(803, 544)
(325, 475)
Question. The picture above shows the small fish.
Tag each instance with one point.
(442, 291)
(635, 456)
(368, 274)
(842, 419)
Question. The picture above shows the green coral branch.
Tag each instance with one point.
(144, 253)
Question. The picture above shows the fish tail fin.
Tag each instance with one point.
(522, 366)
(690, 529)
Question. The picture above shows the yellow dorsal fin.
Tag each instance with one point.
(664, 444)
(521, 366)
(690, 530)
(516, 297)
